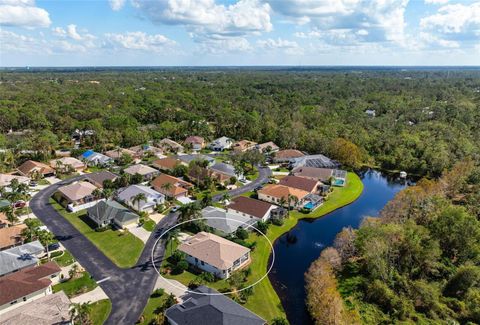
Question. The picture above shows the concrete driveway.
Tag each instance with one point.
(140, 232)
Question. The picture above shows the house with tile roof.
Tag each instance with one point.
(147, 172)
(23, 286)
(98, 178)
(250, 208)
(6, 179)
(176, 188)
(11, 236)
(152, 198)
(116, 154)
(187, 159)
(221, 144)
(61, 164)
(268, 147)
(32, 168)
(77, 196)
(287, 155)
(168, 145)
(166, 164)
(47, 310)
(145, 149)
(197, 143)
(206, 306)
(110, 212)
(214, 254)
(274, 193)
(301, 183)
(243, 145)
(20, 257)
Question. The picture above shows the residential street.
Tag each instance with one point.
(128, 289)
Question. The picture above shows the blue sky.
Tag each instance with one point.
(239, 32)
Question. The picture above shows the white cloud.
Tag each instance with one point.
(139, 41)
(288, 47)
(13, 42)
(207, 17)
(367, 20)
(23, 13)
(116, 4)
(436, 2)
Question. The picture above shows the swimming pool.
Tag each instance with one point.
(339, 182)
(309, 206)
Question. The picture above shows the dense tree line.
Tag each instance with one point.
(425, 120)
(419, 263)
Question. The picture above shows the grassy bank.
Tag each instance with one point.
(75, 287)
(265, 301)
(99, 311)
(123, 249)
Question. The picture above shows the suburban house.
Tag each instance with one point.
(98, 178)
(225, 222)
(250, 208)
(301, 183)
(187, 159)
(268, 147)
(3, 217)
(62, 164)
(199, 175)
(147, 172)
(35, 169)
(195, 142)
(50, 309)
(11, 236)
(220, 144)
(206, 306)
(23, 286)
(244, 145)
(287, 155)
(152, 198)
(6, 179)
(144, 149)
(214, 254)
(166, 164)
(324, 175)
(20, 257)
(116, 154)
(109, 212)
(274, 193)
(168, 145)
(317, 161)
(76, 196)
(225, 169)
(176, 188)
(92, 158)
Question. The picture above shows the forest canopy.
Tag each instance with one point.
(424, 120)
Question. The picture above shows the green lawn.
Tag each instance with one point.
(153, 303)
(123, 249)
(149, 225)
(77, 286)
(264, 300)
(64, 260)
(99, 311)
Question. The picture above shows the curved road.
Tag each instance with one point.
(128, 289)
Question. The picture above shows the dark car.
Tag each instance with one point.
(19, 204)
(53, 246)
(33, 183)
(257, 188)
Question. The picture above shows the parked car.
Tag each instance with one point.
(19, 204)
(175, 208)
(53, 246)
(257, 188)
(33, 183)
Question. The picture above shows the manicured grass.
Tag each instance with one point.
(99, 311)
(64, 260)
(77, 286)
(123, 249)
(264, 300)
(43, 182)
(149, 225)
(153, 303)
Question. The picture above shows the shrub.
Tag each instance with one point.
(278, 221)
(180, 267)
(262, 226)
(241, 233)
(158, 293)
(176, 257)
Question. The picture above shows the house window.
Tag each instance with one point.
(24, 298)
(196, 260)
(203, 263)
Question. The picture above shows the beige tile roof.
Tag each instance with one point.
(280, 191)
(77, 191)
(301, 183)
(288, 154)
(213, 249)
(74, 162)
(115, 154)
(322, 174)
(265, 145)
(166, 163)
(5, 179)
(195, 140)
(243, 145)
(140, 169)
(30, 166)
(10, 236)
(179, 186)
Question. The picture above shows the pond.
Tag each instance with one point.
(298, 248)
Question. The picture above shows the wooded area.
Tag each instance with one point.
(424, 121)
(419, 263)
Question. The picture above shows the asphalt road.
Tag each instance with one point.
(128, 289)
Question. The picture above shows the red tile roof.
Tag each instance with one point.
(250, 206)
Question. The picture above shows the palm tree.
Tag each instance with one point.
(226, 197)
(46, 238)
(189, 211)
(10, 214)
(171, 236)
(59, 165)
(80, 314)
(138, 199)
(97, 193)
(167, 187)
(107, 193)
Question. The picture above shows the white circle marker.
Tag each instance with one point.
(220, 293)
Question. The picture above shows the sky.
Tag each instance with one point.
(239, 32)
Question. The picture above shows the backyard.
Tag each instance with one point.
(122, 248)
(264, 300)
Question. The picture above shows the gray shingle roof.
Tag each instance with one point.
(19, 257)
(223, 168)
(107, 211)
(201, 309)
(223, 221)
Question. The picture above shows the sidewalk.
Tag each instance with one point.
(91, 296)
(178, 289)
